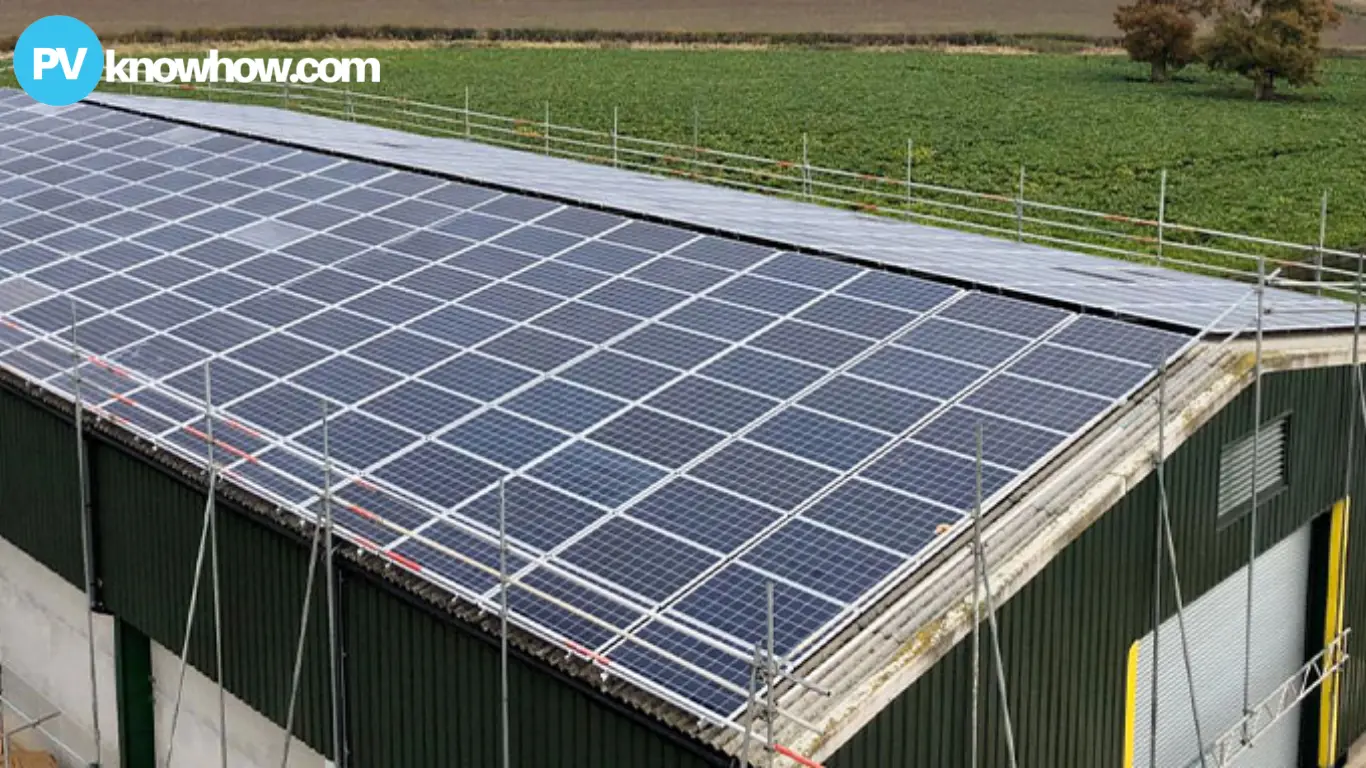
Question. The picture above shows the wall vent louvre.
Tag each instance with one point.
(1235, 468)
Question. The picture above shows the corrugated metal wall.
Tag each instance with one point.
(422, 691)
(39, 496)
(1066, 635)
(442, 687)
(148, 532)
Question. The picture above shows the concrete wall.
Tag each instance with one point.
(43, 639)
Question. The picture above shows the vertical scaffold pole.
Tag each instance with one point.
(1323, 241)
(976, 612)
(504, 724)
(616, 132)
(1164, 512)
(303, 640)
(329, 574)
(1019, 208)
(189, 619)
(1162, 217)
(910, 172)
(1355, 393)
(754, 663)
(213, 556)
(991, 620)
(770, 706)
(87, 539)
(1159, 544)
(1252, 512)
(806, 166)
(696, 138)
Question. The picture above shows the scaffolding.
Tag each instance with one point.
(769, 671)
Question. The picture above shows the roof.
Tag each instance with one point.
(1080, 281)
(674, 417)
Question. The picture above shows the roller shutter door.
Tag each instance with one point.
(1215, 633)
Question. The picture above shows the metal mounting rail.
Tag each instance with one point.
(1242, 735)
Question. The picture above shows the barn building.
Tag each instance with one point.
(709, 467)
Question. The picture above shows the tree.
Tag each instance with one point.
(1263, 40)
(1161, 33)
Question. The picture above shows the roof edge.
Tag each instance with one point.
(918, 628)
(617, 694)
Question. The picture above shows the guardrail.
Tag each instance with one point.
(1012, 215)
(1158, 241)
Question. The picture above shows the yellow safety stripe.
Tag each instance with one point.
(1130, 705)
(1332, 629)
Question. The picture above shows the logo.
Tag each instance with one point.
(58, 60)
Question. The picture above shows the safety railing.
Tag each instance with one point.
(1152, 240)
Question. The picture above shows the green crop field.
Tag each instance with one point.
(1088, 129)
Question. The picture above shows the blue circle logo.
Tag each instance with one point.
(58, 60)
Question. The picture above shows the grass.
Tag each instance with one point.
(1090, 131)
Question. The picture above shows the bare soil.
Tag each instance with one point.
(1084, 17)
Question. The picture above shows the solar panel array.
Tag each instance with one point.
(678, 418)
(1124, 288)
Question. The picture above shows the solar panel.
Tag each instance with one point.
(678, 418)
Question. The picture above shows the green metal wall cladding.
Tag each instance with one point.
(422, 689)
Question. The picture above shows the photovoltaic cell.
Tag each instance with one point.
(915, 372)
(657, 437)
(714, 318)
(823, 561)
(440, 474)
(1098, 375)
(764, 475)
(619, 375)
(898, 291)
(477, 376)
(810, 435)
(569, 625)
(711, 517)
(638, 558)
(419, 407)
(734, 598)
(811, 344)
(763, 373)
(883, 516)
(965, 342)
(1037, 403)
(1005, 314)
(596, 474)
(1004, 442)
(767, 295)
(717, 405)
(635, 656)
(502, 437)
(538, 516)
(362, 441)
(564, 405)
(670, 346)
(948, 479)
(864, 318)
